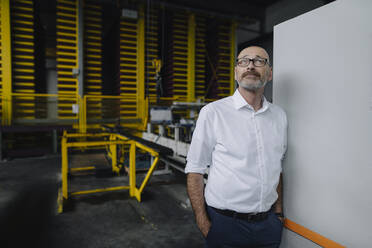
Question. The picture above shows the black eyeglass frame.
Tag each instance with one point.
(253, 61)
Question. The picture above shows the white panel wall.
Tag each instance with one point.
(286, 9)
(323, 79)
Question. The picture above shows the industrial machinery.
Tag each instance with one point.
(82, 64)
(116, 75)
(169, 129)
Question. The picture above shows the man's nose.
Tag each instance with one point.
(250, 66)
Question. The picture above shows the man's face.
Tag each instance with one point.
(253, 77)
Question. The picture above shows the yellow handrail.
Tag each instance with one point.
(115, 139)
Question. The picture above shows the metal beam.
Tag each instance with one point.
(80, 24)
(141, 65)
(64, 154)
(6, 63)
(232, 56)
(191, 59)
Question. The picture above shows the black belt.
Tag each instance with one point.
(243, 216)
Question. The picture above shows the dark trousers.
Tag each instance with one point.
(232, 232)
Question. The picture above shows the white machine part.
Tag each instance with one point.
(161, 115)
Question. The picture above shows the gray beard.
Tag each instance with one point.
(253, 87)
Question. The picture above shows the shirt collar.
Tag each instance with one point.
(240, 102)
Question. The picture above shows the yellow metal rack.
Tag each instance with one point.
(186, 66)
(67, 56)
(93, 56)
(180, 54)
(5, 64)
(151, 51)
(225, 52)
(200, 57)
(112, 141)
(128, 65)
(23, 56)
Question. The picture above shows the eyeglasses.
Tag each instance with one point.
(258, 62)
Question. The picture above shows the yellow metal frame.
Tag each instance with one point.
(34, 96)
(191, 59)
(72, 50)
(232, 56)
(81, 116)
(23, 54)
(141, 113)
(113, 142)
(6, 66)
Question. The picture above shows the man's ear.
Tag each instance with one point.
(270, 74)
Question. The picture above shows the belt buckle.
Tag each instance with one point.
(255, 217)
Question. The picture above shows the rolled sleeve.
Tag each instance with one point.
(195, 168)
(202, 144)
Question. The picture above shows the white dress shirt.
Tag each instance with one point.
(244, 150)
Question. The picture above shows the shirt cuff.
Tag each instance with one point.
(195, 168)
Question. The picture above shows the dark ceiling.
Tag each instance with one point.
(240, 9)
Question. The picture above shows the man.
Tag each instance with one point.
(243, 139)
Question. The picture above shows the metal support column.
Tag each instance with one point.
(114, 157)
(80, 68)
(68, 58)
(232, 56)
(64, 166)
(191, 59)
(132, 169)
(82, 114)
(80, 28)
(6, 63)
(141, 65)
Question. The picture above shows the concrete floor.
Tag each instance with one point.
(28, 192)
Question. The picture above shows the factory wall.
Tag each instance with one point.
(322, 78)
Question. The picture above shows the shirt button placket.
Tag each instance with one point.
(260, 161)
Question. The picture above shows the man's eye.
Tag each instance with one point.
(244, 61)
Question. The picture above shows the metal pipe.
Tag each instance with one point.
(99, 190)
(148, 175)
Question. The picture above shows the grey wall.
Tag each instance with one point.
(323, 79)
(282, 11)
(275, 14)
(287, 9)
